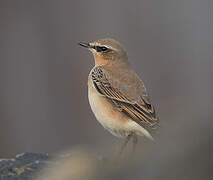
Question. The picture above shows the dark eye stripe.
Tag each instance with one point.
(101, 48)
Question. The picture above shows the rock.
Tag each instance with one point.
(24, 166)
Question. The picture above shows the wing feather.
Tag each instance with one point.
(141, 111)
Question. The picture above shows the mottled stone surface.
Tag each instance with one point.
(23, 166)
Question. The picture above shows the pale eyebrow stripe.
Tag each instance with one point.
(98, 44)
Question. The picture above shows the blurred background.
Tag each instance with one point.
(43, 81)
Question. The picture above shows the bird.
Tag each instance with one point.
(117, 96)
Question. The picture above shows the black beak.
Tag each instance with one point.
(86, 45)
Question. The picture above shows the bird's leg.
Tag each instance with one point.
(135, 141)
(125, 143)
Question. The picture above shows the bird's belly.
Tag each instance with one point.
(109, 116)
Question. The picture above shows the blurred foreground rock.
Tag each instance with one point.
(23, 166)
(183, 151)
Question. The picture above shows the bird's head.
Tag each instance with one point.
(106, 51)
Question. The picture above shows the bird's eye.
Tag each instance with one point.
(101, 48)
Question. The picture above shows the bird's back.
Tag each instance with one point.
(126, 80)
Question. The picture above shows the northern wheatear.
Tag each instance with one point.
(117, 95)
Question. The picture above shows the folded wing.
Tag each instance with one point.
(140, 110)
